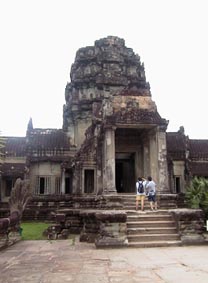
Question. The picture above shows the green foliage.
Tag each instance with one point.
(33, 230)
(197, 194)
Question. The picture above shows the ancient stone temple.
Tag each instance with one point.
(112, 133)
(83, 175)
(112, 121)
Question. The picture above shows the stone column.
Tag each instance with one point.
(109, 161)
(153, 161)
(63, 181)
(146, 158)
(162, 160)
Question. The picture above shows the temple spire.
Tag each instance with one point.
(29, 125)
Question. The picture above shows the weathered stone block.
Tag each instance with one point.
(192, 239)
(108, 242)
(111, 216)
(60, 217)
(190, 225)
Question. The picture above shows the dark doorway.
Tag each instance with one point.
(68, 187)
(89, 181)
(178, 184)
(68, 181)
(42, 185)
(119, 177)
(9, 184)
(125, 173)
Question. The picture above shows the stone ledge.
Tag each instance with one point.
(111, 216)
(106, 242)
(190, 225)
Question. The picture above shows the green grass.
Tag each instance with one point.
(33, 230)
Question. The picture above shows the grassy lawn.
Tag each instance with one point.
(33, 230)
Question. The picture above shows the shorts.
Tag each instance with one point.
(152, 198)
(140, 197)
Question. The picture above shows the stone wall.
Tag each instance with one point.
(104, 228)
(45, 207)
(190, 225)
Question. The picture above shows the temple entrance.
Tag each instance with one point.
(125, 176)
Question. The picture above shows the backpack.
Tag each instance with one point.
(140, 188)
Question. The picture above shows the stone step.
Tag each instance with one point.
(153, 237)
(149, 212)
(154, 244)
(133, 201)
(148, 224)
(151, 230)
(132, 207)
(150, 217)
(164, 201)
(147, 205)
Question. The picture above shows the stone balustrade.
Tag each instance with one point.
(112, 229)
(9, 229)
(190, 225)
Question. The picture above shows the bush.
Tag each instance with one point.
(196, 194)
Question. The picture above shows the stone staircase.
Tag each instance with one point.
(165, 201)
(151, 229)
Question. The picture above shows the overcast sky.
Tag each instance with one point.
(39, 40)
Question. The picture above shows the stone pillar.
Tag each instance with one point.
(63, 181)
(153, 147)
(109, 161)
(77, 179)
(162, 161)
(146, 158)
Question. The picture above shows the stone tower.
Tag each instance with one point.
(111, 121)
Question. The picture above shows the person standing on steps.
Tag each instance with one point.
(151, 192)
(140, 193)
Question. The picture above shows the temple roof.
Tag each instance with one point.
(176, 145)
(136, 116)
(198, 148)
(48, 139)
(15, 146)
(199, 168)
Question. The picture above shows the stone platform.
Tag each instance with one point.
(71, 261)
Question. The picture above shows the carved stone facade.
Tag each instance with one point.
(111, 120)
(112, 133)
